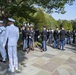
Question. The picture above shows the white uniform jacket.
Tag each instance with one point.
(12, 34)
(2, 34)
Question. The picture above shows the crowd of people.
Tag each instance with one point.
(55, 38)
(9, 36)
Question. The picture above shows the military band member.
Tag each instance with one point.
(2, 37)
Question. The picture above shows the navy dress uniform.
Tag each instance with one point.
(2, 37)
(44, 39)
(12, 34)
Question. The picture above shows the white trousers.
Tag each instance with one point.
(3, 52)
(13, 60)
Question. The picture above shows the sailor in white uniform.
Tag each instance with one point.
(12, 34)
(2, 37)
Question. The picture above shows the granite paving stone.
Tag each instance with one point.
(43, 72)
(50, 66)
(48, 55)
(71, 61)
(42, 61)
(51, 62)
(66, 70)
(57, 60)
(55, 73)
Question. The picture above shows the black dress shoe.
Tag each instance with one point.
(2, 61)
(28, 51)
(63, 49)
(41, 50)
(25, 50)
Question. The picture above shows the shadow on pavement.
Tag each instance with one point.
(72, 48)
(21, 60)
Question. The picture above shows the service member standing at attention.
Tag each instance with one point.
(50, 36)
(69, 34)
(2, 37)
(12, 34)
(31, 37)
(27, 38)
(62, 38)
(44, 39)
(56, 37)
(24, 38)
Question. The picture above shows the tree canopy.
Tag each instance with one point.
(66, 24)
(44, 19)
(24, 8)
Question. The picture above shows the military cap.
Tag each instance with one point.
(11, 20)
(1, 21)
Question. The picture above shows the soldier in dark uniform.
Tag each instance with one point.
(44, 39)
(27, 37)
(62, 38)
(50, 36)
(31, 38)
(56, 38)
(74, 36)
(69, 36)
(47, 34)
(36, 34)
(23, 37)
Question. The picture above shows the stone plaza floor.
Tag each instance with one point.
(51, 62)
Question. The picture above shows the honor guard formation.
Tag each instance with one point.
(9, 36)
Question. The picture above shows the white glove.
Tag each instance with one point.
(30, 37)
(38, 36)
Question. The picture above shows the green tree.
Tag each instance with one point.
(65, 24)
(70, 26)
(59, 22)
(17, 8)
(40, 19)
(26, 8)
(51, 22)
(44, 19)
(73, 24)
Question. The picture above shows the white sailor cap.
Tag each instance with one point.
(11, 20)
(1, 21)
(31, 25)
